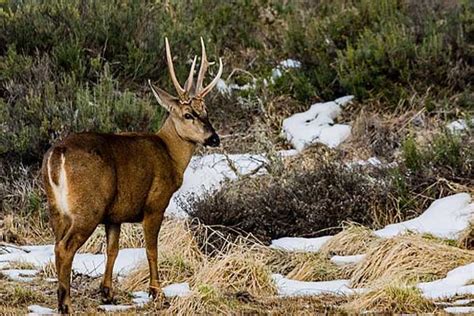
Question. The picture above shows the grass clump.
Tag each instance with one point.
(354, 239)
(303, 266)
(395, 297)
(20, 295)
(408, 258)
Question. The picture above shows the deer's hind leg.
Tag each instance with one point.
(112, 232)
(65, 249)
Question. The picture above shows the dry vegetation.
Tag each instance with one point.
(237, 275)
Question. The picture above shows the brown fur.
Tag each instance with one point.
(116, 178)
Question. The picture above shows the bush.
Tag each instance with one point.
(305, 203)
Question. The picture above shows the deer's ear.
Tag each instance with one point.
(165, 99)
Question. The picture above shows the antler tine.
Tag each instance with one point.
(189, 83)
(202, 69)
(179, 89)
(209, 87)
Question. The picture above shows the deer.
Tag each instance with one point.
(96, 178)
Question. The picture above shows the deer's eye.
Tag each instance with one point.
(188, 116)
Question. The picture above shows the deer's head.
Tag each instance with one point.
(188, 110)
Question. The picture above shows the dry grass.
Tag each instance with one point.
(22, 265)
(241, 268)
(303, 266)
(395, 297)
(408, 258)
(354, 239)
(178, 257)
(49, 270)
(466, 240)
(131, 236)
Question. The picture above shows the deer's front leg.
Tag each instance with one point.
(151, 228)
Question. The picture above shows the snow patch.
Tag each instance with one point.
(455, 283)
(290, 63)
(462, 302)
(40, 310)
(343, 260)
(288, 287)
(317, 125)
(206, 173)
(89, 264)
(94, 265)
(115, 308)
(140, 298)
(226, 89)
(26, 275)
(37, 255)
(445, 218)
(460, 310)
(177, 290)
(459, 125)
(299, 243)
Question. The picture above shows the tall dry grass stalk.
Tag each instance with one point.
(408, 258)
(466, 239)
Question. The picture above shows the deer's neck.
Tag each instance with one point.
(179, 149)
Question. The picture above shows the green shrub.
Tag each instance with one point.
(448, 154)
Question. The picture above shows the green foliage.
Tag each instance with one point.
(383, 48)
(451, 152)
(414, 160)
(40, 107)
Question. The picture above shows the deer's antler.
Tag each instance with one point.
(200, 92)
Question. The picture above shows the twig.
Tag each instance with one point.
(5, 245)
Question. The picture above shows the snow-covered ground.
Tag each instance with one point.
(343, 260)
(288, 287)
(85, 263)
(25, 275)
(455, 283)
(40, 310)
(299, 243)
(177, 290)
(445, 218)
(317, 125)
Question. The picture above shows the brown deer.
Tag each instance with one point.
(93, 178)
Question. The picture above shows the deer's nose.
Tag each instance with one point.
(213, 141)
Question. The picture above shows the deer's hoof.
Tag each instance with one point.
(64, 309)
(107, 294)
(156, 293)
